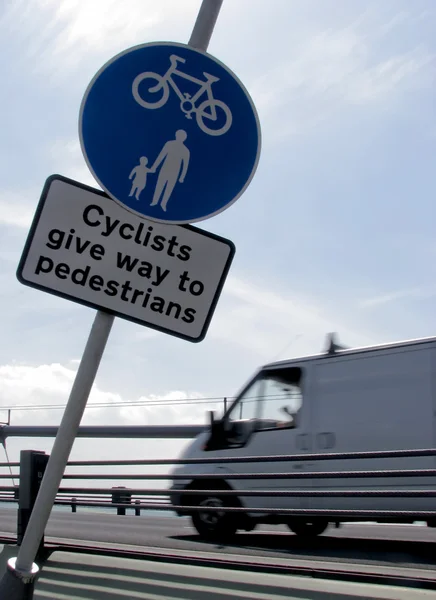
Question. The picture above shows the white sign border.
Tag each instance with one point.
(144, 323)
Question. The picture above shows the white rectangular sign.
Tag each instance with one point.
(84, 247)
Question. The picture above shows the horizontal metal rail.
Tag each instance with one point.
(107, 431)
(110, 491)
(382, 454)
(131, 500)
(215, 476)
(307, 475)
(109, 504)
(245, 459)
(260, 493)
(92, 497)
(134, 504)
(259, 459)
(415, 515)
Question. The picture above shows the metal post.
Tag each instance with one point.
(73, 505)
(205, 23)
(23, 568)
(121, 495)
(137, 508)
(16, 585)
(32, 468)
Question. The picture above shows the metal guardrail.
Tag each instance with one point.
(258, 459)
(261, 493)
(401, 514)
(107, 431)
(306, 475)
(122, 499)
(250, 459)
(145, 498)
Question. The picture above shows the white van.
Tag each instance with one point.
(365, 399)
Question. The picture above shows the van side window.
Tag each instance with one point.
(281, 399)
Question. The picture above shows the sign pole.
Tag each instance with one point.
(205, 23)
(23, 566)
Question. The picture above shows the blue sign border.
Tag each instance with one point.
(223, 66)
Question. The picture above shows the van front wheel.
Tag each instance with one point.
(305, 528)
(212, 525)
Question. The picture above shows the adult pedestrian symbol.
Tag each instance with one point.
(170, 133)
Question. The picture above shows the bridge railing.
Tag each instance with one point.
(152, 498)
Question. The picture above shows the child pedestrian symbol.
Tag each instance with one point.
(139, 173)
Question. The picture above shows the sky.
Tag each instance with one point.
(334, 233)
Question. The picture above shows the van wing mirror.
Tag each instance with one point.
(215, 440)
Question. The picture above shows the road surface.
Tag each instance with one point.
(389, 545)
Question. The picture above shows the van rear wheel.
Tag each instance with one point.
(213, 525)
(308, 528)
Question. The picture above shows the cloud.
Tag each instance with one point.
(66, 158)
(18, 205)
(16, 208)
(390, 297)
(48, 385)
(38, 394)
(338, 68)
(39, 387)
(266, 322)
(67, 34)
(379, 82)
(27, 385)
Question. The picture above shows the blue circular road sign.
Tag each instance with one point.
(169, 132)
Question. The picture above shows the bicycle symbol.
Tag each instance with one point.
(206, 111)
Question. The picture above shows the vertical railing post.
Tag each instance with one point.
(137, 508)
(32, 468)
(121, 495)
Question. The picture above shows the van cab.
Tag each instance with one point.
(343, 400)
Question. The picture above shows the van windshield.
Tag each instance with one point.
(272, 401)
